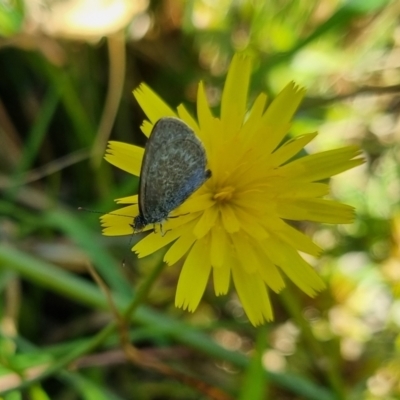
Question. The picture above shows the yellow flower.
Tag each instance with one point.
(235, 224)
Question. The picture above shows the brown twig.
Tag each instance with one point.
(311, 102)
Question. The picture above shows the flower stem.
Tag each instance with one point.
(143, 290)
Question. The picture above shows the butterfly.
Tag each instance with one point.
(173, 167)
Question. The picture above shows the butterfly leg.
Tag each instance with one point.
(177, 216)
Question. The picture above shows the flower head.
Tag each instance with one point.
(235, 224)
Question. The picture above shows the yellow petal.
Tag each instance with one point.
(146, 127)
(195, 203)
(229, 219)
(153, 106)
(290, 149)
(205, 117)
(255, 203)
(253, 295)
(220, 246)
(296, 269)
(206, 222)
(254, 118)
(119, 222)
(323, 165)
(298, 240)
(194, 277)
(252, 125)
(181, 246)
(292, 236)
(271, 275)
(222, 278)
(234, 95)
(301, 190)
(128, 200)
(117, 230)
(319, 210)
(155, 241)
(280, 112)
(245, 254)
(251, 224)
(184, 114)
(263, 143)
(178, 220)
(127, 157)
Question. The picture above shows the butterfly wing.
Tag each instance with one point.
(174, 166)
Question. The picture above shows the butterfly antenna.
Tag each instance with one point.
(86, 209)
(104, 213)
(129, 247)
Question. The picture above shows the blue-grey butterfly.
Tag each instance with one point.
(173, 167)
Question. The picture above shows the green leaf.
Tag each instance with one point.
(256, 381)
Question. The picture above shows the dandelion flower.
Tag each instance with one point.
(236, 225)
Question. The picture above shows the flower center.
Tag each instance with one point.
(224, 194)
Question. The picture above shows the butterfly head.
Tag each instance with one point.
(139, 223)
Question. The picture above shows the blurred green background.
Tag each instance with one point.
(67, 71)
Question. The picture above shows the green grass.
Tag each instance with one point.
(58, 337)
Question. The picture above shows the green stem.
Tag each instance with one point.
(143, 291)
